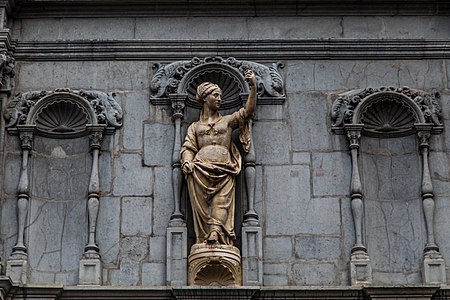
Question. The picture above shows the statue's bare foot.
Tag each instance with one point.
(213, 238)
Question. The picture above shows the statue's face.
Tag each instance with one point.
(214, 99)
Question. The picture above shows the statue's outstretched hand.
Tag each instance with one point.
(250, 78)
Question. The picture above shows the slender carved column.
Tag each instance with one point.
(95, 139)
(90, 272)
(177, 174)
(252, 266)
(26, 138)
(17, 264)
(434, 264)
(250, 217)
(360, 268)
(176, 246)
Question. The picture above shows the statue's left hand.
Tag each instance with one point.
(250, 78)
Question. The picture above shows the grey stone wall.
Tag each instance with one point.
(303, 169)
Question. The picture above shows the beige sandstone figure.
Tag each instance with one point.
(211, 161)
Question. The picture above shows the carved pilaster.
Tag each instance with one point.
(360, 267)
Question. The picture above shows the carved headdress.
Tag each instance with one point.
(204, 90)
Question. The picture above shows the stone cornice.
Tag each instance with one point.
(248, 49)
(136, 8)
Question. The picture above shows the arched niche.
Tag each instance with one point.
(391, 190)
(175, 84)
(59, 182)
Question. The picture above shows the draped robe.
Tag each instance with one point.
(211, 184)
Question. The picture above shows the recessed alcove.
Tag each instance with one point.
(393, 214)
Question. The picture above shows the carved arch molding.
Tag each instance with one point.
(175, 84)
(60, 114)
(389, 112)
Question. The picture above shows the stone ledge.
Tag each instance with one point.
(285, 49)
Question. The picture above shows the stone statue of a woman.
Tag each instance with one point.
(211, 161)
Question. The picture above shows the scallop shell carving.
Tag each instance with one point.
(214, 275)
(62, 118)
(231, 89)
(388, 117)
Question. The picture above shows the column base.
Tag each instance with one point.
(252, 263)
(176, 259)
(90, 272)
(17, 269)
(360, 269)
(434, 268)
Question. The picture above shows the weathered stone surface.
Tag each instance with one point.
(302, 158)
(136, 107)
(277, 150)
(108, 229)
(132, 251)
(331, 170)
(9, 225)
(276, 274)
(158, 144)
(130, 178)
(109, 75)
(304, 79)
(317, 247)
(105, 168)
(422, 74)
(313, 273)
(269, 112)
(288, 190)
(391, 169)
(382, 27)
(157, 249)
(12, 168)
(153, 274)
(75, 29)
(136, 215)
(163, 205)
(277, 248)
(310, 131)
(395, 233)
(439, 169)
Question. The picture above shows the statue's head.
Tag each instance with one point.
(205, 89)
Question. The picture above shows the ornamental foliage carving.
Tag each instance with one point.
(386, 111)
(183, 77)
(63, 112)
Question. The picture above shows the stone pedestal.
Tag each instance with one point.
(360, 269)
(17, 269)
(433, 269)
(176, 259)
(214, 265)
(90, 272)
(252, 264)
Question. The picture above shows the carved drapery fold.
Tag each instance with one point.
(389, 112)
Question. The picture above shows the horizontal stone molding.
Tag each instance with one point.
(261, 50)
(172, 8)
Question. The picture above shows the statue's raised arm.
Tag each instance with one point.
(250, 78)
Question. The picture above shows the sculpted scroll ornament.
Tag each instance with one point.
(61, 113)
(166, 79)
(345, 105)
